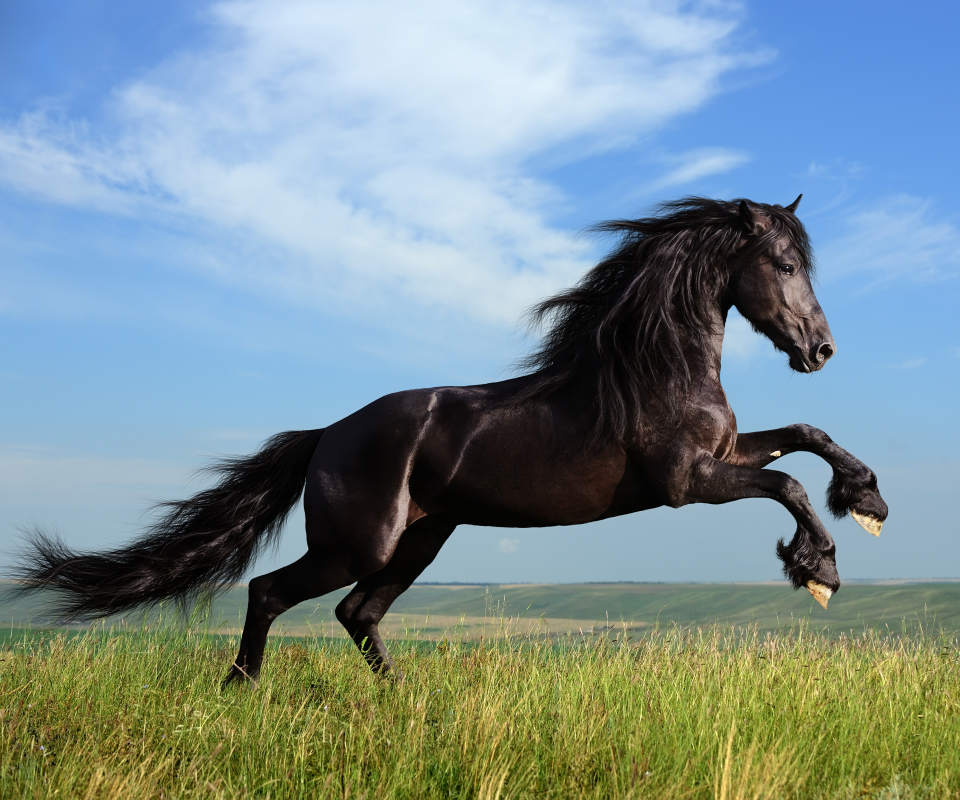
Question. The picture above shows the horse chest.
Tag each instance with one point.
(712, 428)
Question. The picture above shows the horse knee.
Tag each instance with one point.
(791, 489)
(808, 435)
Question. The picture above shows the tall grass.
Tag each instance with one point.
(681, 713)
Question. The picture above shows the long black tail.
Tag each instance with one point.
(200, 545)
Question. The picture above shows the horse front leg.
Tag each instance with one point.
(809, 560)
(853, 488)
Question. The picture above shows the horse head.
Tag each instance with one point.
(771, 286)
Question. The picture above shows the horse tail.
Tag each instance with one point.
(198, 547)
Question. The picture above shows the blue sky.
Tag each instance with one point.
(222, 221)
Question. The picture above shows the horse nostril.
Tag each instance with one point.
(825, 351)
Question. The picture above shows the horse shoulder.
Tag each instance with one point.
(709, 424)
(666, 455)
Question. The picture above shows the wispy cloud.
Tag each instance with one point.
(838, 177)
(901, 237)
(380, 153)
(24, 467)
(837, 170)
(914, 363)
(509, 545)
(701, 163)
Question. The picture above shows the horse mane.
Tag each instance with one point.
(618, 336)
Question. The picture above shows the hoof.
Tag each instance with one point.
(820, 592)
(869, 523)
(238, 677)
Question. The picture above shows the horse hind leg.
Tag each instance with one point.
(272, 594)
(361, 611)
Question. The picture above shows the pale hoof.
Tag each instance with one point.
(820, 592)
(870, 524)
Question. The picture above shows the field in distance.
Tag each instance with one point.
(468, 611)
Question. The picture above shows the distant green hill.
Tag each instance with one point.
(893, 606)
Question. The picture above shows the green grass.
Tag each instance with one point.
(712, 712)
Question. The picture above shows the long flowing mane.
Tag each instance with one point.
(619, 335)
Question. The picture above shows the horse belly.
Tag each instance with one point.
(517, 504)
(508, 482)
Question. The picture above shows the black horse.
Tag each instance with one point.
(621, 410)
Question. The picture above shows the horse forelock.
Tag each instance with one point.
(619, 334)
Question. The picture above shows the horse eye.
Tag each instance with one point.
(785, 269)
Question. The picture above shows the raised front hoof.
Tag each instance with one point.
(868, 522)
(806, 568)
(858, 496)
(821, 593)
(822, 586)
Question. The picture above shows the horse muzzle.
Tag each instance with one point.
(822, 353)
(813, 358)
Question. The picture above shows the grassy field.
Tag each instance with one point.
(708, 713)
(510, 692)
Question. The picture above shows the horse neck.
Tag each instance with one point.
(703, 357)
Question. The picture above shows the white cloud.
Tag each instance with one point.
(898, 238)
(838, 178)
(701, 163)
(23, 468)
(914, 363)
(509, 545)
(836, 170)
(380, 151)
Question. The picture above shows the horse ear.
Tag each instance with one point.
(750, 219)
(792, 208)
